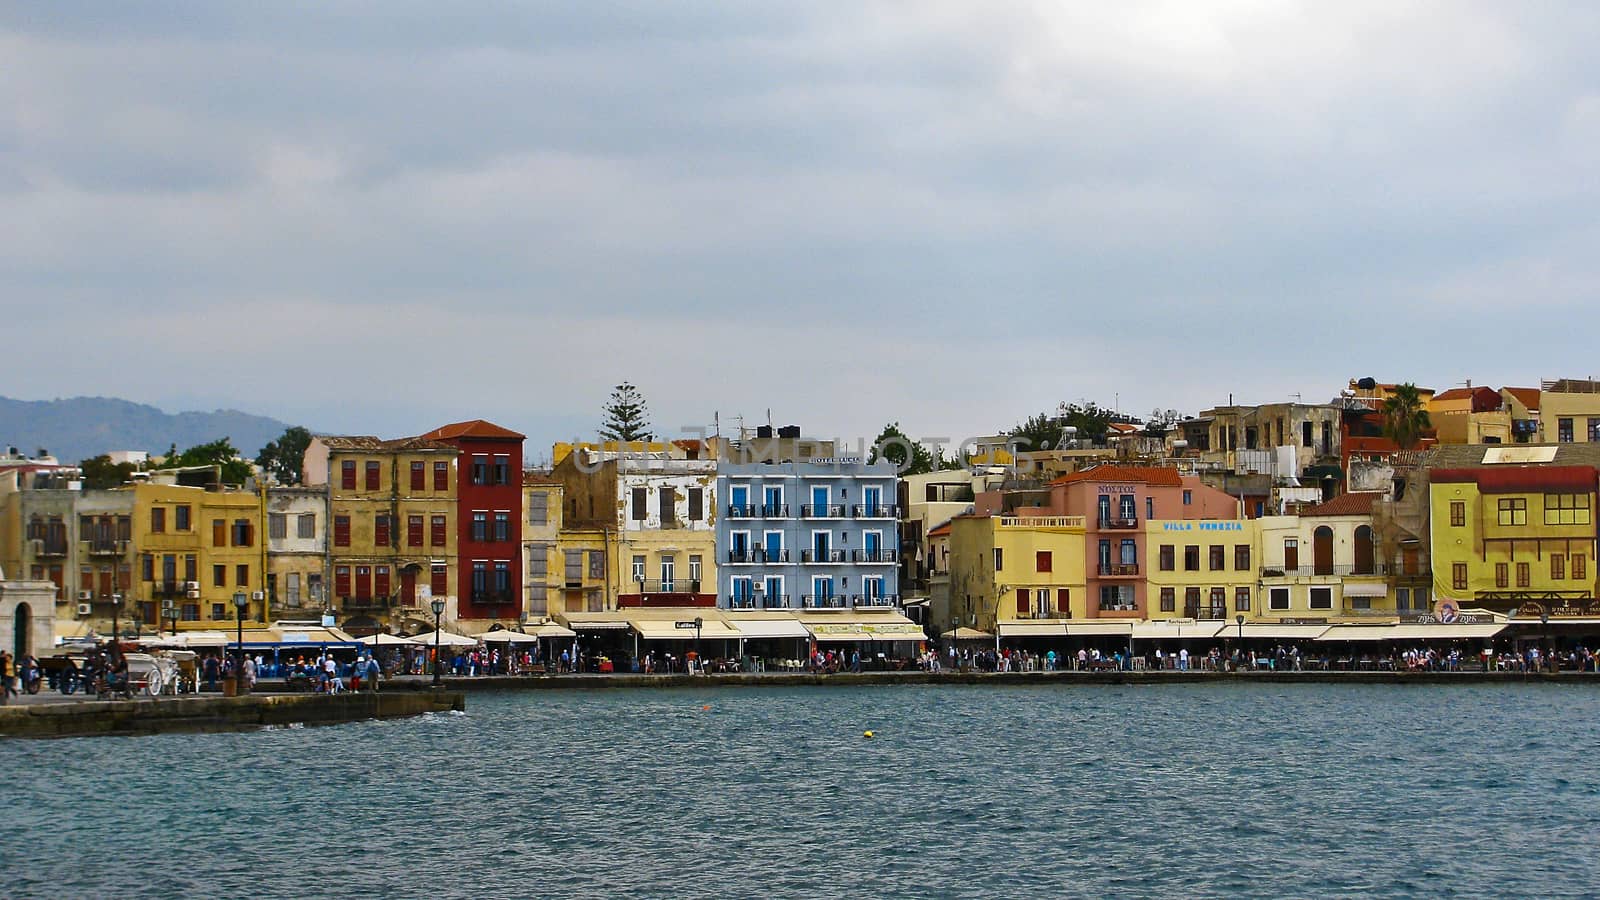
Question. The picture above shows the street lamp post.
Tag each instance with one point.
(116, 609)
(699, 657)
(1239, 620)
(241, 600)
(438, 614)
(1544, 639)
(171, 613)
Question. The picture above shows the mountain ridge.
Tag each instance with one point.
(75, 428)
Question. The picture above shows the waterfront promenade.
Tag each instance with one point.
(50, 714)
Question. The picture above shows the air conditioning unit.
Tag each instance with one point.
(38, 546)
(85, 609)
(86, 595)
(192, 595)
(258, 595)
(191, 585)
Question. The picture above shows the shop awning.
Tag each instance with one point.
(506, 636)
(1174, 631)
(597, 625)
(1445, 632)
(966, 634)
(1365, 589)
(445, 639)
(1358, 633)
(1032, 629)
(387, 640)
(1273, 632)
(552, 630)
(653, 629)
(774, 627)
(1090, 629)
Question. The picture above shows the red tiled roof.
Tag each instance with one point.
(1484, 399)
(1528, 397)
(941, 530)
(476, 428)
(1521, 479)
(1356, 503)
(1154, 475)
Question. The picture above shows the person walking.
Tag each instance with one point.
(374, 672)
(7, 665)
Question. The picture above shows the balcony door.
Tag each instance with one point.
(773, 498)
(738, 544)
(739, 496)
(774, 546)
(872, 542)
(822, 589)
(774, 591)
(1322, 550)
(1104, 510)
(871, 499)
(819, 501)
(668, 574)
(819, 545)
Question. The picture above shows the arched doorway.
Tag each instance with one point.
(361, 626)
(22, 628)
(1322, 551)
(408, 584)
(1363, 551)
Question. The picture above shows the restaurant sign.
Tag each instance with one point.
(1460, 618)
(1558, 609)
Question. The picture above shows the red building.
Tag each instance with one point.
(488, 516)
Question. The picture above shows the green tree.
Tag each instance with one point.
(220, 452)
(99, 472)
(895, 446)
(1405, 417)
(284, 457)
(1047, 431)
(627, 416)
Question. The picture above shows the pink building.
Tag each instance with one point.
(1115, 502)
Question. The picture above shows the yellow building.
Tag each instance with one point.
(1569, 411)
(1202, 570)
(567, 568)
(1007, 573)
(392, 530)
(198, 548)
(1513, 529)
(1470, 415)
(1322, 565)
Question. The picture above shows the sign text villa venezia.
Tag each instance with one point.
(1202, 526)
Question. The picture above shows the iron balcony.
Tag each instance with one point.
(824, 556)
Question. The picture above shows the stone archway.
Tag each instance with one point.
(22, 631)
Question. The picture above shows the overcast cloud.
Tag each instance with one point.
(382, 216)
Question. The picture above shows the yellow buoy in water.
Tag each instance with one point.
(866, 734)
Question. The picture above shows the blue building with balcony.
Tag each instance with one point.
(818, 534)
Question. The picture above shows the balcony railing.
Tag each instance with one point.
(876, 601)
(675, 586)
(1042, 522)
(1206, 612)
(491, 598)
(105, 548)
(822, 512)
(1046, 614)
(1119, 570)
(760, 601)
(780, 511)
(874, 511)
(45, 547)
(741, 512)
(822, 556)
(1344, 569)
(758, 556)
(167, 589)
(1116, 522)
(874, 556)
(821, 601)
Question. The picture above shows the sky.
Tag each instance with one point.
(378, 217)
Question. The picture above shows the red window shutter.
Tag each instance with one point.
(341, 581)
(363, 582)
(1042, 560)
(1064, 601)
(438, 536)
(439, 581)
(347, 475)
(374, 479)
(441, 476)
(414, 531)
(380, 581)
(380, 530)
(418, 476)
(1022, 601)
(341, 531)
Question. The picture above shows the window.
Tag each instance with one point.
(668, 507)
(1218, 557)
(1566, 509)
(480, 469)
(291, 589)
(341, 531)
(638, 568)
(1129, 554)
(1458, 576)
(219, 532)
(480, 580)
(1042, 561)
(1558, 566)
(538, 599)
(502, 580)
(308, 526)
(1241, 557)
(413, 531)
(502, 526)
(438, 533)
(1291, 554)
(1502, 575)
(1564, 431)
(180, 517)
(480, 525)
(1593, 431)
(639, 498)
(1513, 511)
(347, 475)
(697, 504)
(538, 508)
(380, 581)
(219, 576)
(1168, 562)
(419, 476)
(597, 564)
(1321, 598)
(219, 610)
(1219, 603)
(374, 475)
(999, 560)
(147, 569)
(1188, 498)
(439, 580)
(191, 568)
(1169, 599)
(244, 533)
(1149, 507)
(1191, 602)
(341, 581)
(363, 582)
(1278, 598)
(1116, 597)
(1241, 599)
(669, 573)
(1305, 434)
(441, 476)
(694, 570)
(158, 520)
(380, 530)
(1191, 558)
(1458, 513)
(1524, 574)
(241, 575)
(502, 470)
(1579, 567)
(277, 526)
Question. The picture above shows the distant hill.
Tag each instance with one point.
(80, 427)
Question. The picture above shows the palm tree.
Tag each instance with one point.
(1404, 416)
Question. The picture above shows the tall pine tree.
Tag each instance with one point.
(627, 416)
